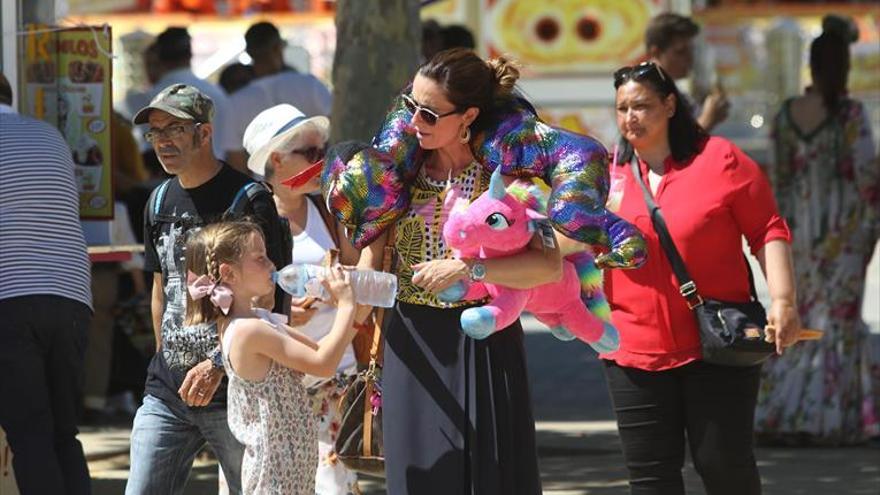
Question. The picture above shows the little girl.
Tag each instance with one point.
(269, 410)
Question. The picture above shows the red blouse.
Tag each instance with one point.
(709, 204)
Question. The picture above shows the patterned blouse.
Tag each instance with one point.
(274, 421)
(419, 235)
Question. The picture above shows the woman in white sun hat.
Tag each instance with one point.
(287, 149)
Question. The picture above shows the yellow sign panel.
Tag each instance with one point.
(68, 84)
(566, 37)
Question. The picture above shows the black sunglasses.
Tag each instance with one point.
(635, 73)
(313, 154)
(429, 116)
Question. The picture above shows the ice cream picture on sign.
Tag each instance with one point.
(84, 113)
(89, 160)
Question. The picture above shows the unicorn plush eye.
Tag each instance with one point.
(497, 221)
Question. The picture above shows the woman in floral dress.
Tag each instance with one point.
(826, 178)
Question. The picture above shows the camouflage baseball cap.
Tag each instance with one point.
(182, 101)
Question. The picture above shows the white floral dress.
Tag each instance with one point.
(827, 184)
(273, 419)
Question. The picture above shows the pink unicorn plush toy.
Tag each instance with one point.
(501, 222)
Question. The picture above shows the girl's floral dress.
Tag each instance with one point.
(827, 184)
(273, 419)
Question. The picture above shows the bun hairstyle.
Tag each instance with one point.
(841, 26)
(506, 74)
(829, 58)
(217, 243)
(469, 81)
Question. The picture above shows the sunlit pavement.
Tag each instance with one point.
(577, 440)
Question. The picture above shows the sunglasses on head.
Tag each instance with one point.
(313, 154)
(635, 73)
(429, 116)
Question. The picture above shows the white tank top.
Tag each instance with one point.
(310, 246)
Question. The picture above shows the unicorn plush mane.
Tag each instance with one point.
(529, 194)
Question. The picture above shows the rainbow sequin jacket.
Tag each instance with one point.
(370, 192)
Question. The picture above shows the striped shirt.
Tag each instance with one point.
(42, 250)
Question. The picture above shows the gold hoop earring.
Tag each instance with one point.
(465, 136)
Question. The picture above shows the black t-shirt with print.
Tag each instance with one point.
(183, 212)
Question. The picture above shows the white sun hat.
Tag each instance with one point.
(274, 126)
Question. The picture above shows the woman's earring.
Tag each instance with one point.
(465, 136)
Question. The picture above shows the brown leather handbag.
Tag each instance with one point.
(359, 442)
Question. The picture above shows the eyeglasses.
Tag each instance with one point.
(429, 116)
(637, 72)
(313, 154)
(171, 132)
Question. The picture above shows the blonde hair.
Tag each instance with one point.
(217, 243)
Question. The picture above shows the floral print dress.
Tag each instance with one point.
(332, 477)
(273, 419)
(827, 184)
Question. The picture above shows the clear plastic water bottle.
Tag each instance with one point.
(371, 287)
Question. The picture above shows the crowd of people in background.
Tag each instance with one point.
(252, 147)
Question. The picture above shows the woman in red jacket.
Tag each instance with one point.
(711, 195)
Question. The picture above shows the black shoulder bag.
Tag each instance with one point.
(731, 334)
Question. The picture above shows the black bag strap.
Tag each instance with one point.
(686, 286)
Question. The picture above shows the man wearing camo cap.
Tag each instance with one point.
(185, 398)
(173, 52)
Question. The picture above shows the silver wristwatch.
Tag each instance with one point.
(216, 357)
(478, 271)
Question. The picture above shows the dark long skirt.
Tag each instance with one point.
(457, 415)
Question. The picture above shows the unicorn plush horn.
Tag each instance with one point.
(496, 184)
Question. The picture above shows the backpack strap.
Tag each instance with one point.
(279, 243)
(154, 203)
(154, 210)
(248, 191)
(328, 219)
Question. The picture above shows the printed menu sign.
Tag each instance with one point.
(68, 84)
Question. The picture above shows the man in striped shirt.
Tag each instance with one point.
(45, 304)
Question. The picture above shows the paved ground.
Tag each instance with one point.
(583, 458)
(577, 441)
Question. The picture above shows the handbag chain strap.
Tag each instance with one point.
(686, 286)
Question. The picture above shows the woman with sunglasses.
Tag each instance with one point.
(711, 195)
(287, 149)
(456, 410)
